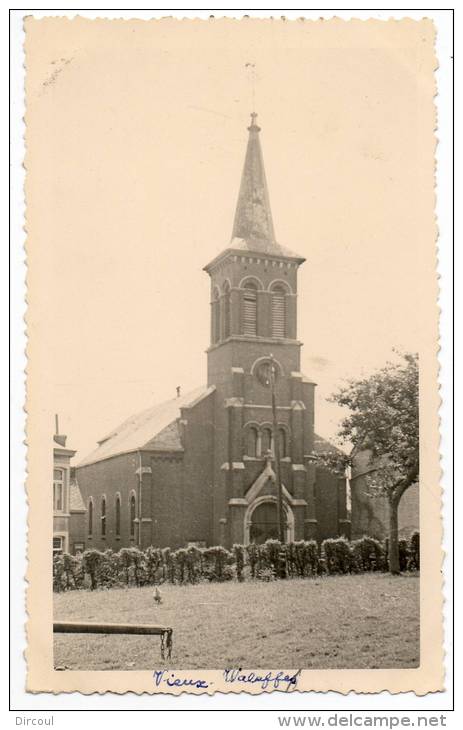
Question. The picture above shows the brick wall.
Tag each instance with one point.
(326, 504)
(77, 530)
(117, 474)
(198, 484)
(167, 481)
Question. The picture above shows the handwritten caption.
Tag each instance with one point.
(270, 680)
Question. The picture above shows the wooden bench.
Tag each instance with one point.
(79, 627)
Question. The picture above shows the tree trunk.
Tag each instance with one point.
(394, 563)
(394, 501)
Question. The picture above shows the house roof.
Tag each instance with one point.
(154, 429)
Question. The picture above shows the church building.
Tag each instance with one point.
(199, 469)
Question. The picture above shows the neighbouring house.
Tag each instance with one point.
(199, 468)
(370, 513)
(69, 522)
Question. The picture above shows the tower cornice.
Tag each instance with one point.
(254, 255)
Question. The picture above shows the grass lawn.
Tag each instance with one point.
(336, 622)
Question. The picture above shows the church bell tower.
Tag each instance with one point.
(253, 316)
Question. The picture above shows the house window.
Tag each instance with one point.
(250, 309)
(90, 517)
(58, 490)
(251, 441)
(57, 545)
(278, 312)
(103, 517)
(118, 516)
(132, 516)
(266, 440)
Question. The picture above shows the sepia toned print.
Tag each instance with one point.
(278, 526)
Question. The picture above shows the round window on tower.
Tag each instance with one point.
(265, 370)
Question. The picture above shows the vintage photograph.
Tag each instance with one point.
(233, 355)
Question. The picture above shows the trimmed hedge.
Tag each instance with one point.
(269, 561)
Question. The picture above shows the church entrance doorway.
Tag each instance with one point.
(260, 521)
(264, 525)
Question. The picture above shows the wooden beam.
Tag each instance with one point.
(81, 627)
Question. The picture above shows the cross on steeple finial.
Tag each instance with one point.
(254, 127)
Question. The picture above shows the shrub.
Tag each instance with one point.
(194, 563)
(302, 558)
(367, 554)
(181, 564)
(125, 562)
(403, 555)
(139, 566)
(265, 562)
(79, 573)
(311, 558)
(253, 557)
(414, 552)
(218, 560)
(153, 564)
(107, 570)
(91, 560)
(168, 560)
(238, 551)
(338, 556)
(266, 574)
(271, 555)
(58, 573)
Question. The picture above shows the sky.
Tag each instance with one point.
(140, 136)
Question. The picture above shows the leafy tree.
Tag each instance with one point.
(383, 418)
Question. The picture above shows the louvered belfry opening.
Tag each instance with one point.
(278, 312)
(215, 316)
(226, 310)
(250, 309)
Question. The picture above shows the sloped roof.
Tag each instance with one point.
(76, 503)
(155, 428)
(261, 245)
(323, 446)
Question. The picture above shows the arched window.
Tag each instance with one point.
(278, 312)
(226, 310)
(282, 442)
(250, 309)
(132, 515)
(251, 441)
(90, 517)
(103, 517)
(266, 440)
(118, 516)
(215, 316)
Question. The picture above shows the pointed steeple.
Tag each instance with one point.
(253, 218)
(253, 230)
(253, 225)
